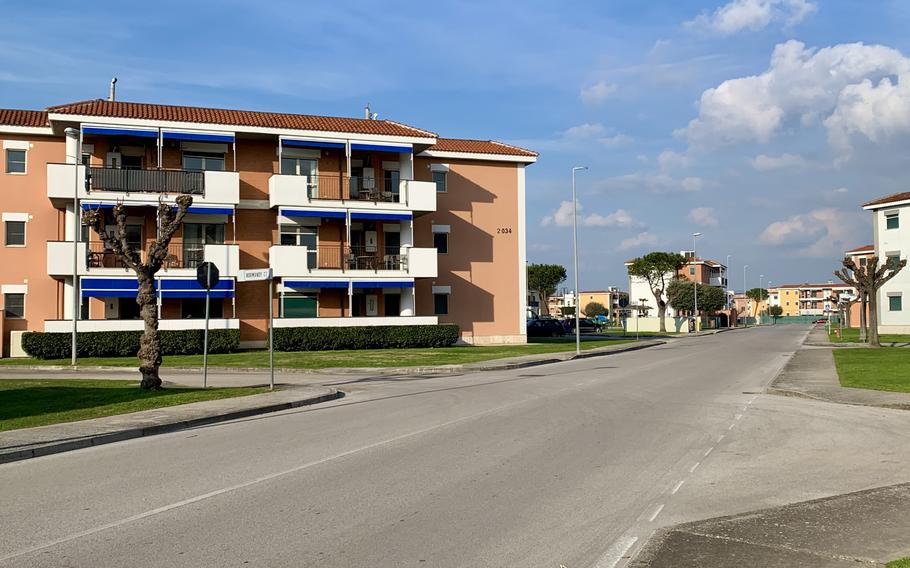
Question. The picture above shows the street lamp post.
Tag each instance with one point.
(745, 266)
(575, 257)
(695, 280)
(761, 278)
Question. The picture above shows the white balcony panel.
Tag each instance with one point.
(350, 322)
(220, 188)
(418, 195)
(289, 261)
(60, 258)
(290, 191)
(66, 326)
(225, 257)
(421, 262)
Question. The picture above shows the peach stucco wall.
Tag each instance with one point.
(481, 266)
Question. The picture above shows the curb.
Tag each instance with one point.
(139, 432)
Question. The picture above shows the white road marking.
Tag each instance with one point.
(694, 467)
(711, 449)
(249, 483)
(655, 513)
(731, 426)
(678, 485)
(722, 436)
(615, 553)
(738, 416)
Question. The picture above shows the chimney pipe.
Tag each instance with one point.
(366, 112)
(112, 96)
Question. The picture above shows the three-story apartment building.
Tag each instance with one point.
(363, 222)
(891, 232)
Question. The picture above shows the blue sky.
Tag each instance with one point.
(761, 123)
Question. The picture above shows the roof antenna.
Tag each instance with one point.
(112, 95)
(368, 114)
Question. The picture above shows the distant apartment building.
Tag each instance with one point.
(705, 272)
(809, 299)
(613, 299)
(891, 238)
(363, 222)
(860, 256)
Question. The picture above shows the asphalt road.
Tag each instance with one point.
(571, 464)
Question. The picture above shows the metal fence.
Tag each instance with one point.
(147, 181)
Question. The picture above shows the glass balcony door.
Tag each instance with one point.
(303, 167)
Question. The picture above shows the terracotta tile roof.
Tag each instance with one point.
(865, 248)
(480, 147)
(172, 113)
(904, 196)
(13, 117)
(834, 286)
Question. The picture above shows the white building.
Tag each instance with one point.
(891, 231)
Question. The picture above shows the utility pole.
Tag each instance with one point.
(695, 280)
(575, 257)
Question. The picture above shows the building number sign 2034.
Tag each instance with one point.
(503, 230)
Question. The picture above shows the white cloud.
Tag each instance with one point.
(825, 232)
(765, 163)
(584, 131)
(581, 136)
(752, 15)
(703, 216)
(654, 182)
(597, 93)
(562, 217)
(641, 239)
(669, 160)
(852, 89)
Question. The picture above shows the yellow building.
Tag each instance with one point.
(787, 299)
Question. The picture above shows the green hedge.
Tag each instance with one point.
(364, 337)
(126, 343)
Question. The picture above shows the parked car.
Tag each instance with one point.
(545, 328)
(587, 325)
(821, 320)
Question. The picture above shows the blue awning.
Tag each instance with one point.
(315, 284)
(198, 137)
(312, 213)
(382, 148)
(374, 284)
(109, 287)
(186, 288)
(312, 144)
(381, 216)
(120, 131)
(204, 210)
(90, 206)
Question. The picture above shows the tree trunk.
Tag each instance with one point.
(661, 314)
(863, 304)
(873, 320)
(149, 343)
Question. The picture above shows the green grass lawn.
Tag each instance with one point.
(38, 402)
(359, 358)
(851, 335)
(886, 369)
(899, 563)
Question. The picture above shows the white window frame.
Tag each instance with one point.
(895, 214)
(16, 217)
(895, 295)
(6, 161)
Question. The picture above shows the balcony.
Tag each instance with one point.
(94, 258)
(352, 321)
(345, 260)
(66, 326)
(141, 187)
(338, 191)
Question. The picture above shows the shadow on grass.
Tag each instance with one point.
(38, 400)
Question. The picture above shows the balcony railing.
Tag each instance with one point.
(147, 181)
(327, 186)
(359, 257)
(179, 255)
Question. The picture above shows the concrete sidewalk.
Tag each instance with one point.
(33, 442)
(233, 377)
(811, 373)
(868, 528)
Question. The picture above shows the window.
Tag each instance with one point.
(194, 308)
(439, 178)
(300, 236)
(892, 221)
(15, 233)
(195, 237)
(691, 271)
(893, 258)
(440, 304)
(298, 167)
(14, 306)
(299, 305)
(198, 161)
(894, 303)
(392, 182)
(15, 161)
(441, 242)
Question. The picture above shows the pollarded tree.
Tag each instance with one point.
(868, 280)
(658, 269)
(168, 223)
(544, 279)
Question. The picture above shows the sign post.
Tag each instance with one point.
(207, 275)
(257, 275)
